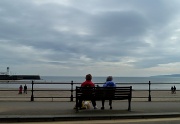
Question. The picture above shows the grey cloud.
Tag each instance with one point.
(120, 24)
(112, 30)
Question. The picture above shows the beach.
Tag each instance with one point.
(12, 94)
(156, 96)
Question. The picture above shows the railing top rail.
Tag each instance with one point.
(78, 83)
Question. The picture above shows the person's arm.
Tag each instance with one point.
(93, 85)
(105, 85)
(114, 84)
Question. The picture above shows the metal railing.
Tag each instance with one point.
(71, 90)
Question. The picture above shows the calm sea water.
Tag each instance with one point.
(119, 80)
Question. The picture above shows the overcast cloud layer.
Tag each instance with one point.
(101, 37)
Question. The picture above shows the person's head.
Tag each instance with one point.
(109, 78)
(88, 77)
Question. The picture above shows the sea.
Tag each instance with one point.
(138, 83)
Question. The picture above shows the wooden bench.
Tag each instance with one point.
(104, 93)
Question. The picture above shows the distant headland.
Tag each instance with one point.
(170, 75)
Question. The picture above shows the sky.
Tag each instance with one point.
(102, 37)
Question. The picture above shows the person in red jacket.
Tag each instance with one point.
(88, 83)
(20, 89)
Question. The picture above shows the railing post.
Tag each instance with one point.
(32, 90)
(71, 99)
(149, 98)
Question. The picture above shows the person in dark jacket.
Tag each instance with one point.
(25, 89)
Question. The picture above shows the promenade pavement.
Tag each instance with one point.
(62, 111)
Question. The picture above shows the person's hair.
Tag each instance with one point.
(109, 78)
(88, 77)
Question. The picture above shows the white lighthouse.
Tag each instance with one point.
(7, 70)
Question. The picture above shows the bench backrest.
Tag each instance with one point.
(99, 93)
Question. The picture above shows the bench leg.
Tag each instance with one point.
(129, 104)
(77, 105)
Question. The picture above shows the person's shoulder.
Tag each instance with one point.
(113, 82)
(92, 83)
(83, 83)
(110, 83)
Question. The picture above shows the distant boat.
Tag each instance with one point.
(6, 76)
